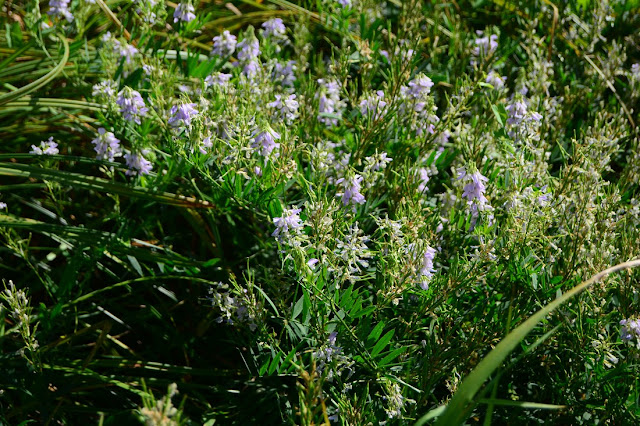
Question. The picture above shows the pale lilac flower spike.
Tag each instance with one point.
(184, 13)
(107, 146)
(137, 164)
(289, 221)
(131, 105)
(265, 141)
(48, 147)
(351, 194)
(60, 8)
(474, 190)
(630, 330)
(224, 44)
(274, 28)
(427, 270)
(181, 115)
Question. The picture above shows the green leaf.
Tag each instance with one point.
(297, 309)
(392, 355)
(498, 115)
(382, 343)
(375, 333)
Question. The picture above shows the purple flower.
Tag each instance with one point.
(137, 164)
(474, 190)
(426, 269)
(289, 221)
(496, 80)
(205, 145)
(126, 51)
(351, 190)
(184, 13)
(329, 102)
(105, 88)
(131, 105)
(630, 330)
(181, 115)
(485, 46)
(373, 104)
(251, 69)
(48, 147)
(287, 108)
(106, 145)
(60, 8)
(3, 206)
(274, 28)
(265, 141)
(224, 44)
(217, 79)
(518, 113)
(420, 87)
(423, 174)
(248, 49)
(379, 161)
(284, 73)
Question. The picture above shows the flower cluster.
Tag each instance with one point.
(137, 164)
(60, 8)
(330, 106)
(184, 12)
(48, 147)
(265, 142)
(331, 359)
(287, 225)
(182, 115)
(107, 146)
(630, 331)
(224, 44)
(373, 105)
(485, 45)
(351, 187)
(132, 106)
(286, 108)
(237, 306)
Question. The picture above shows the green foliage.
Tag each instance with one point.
(385, 215)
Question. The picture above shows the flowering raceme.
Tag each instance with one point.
(131, 104)
(630, 331)
(107, 147)
(351, 191)
(330, 106)
(286, 224)
(286, 108)
(265, 142)
(485, 46)
(60, 8)
(181, 115)
(474, 192)
(137, 164)
(373, 104)
(275, 29)
(184, 12)
(224, 44)
(48, 147)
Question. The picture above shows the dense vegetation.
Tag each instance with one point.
(264, 212)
